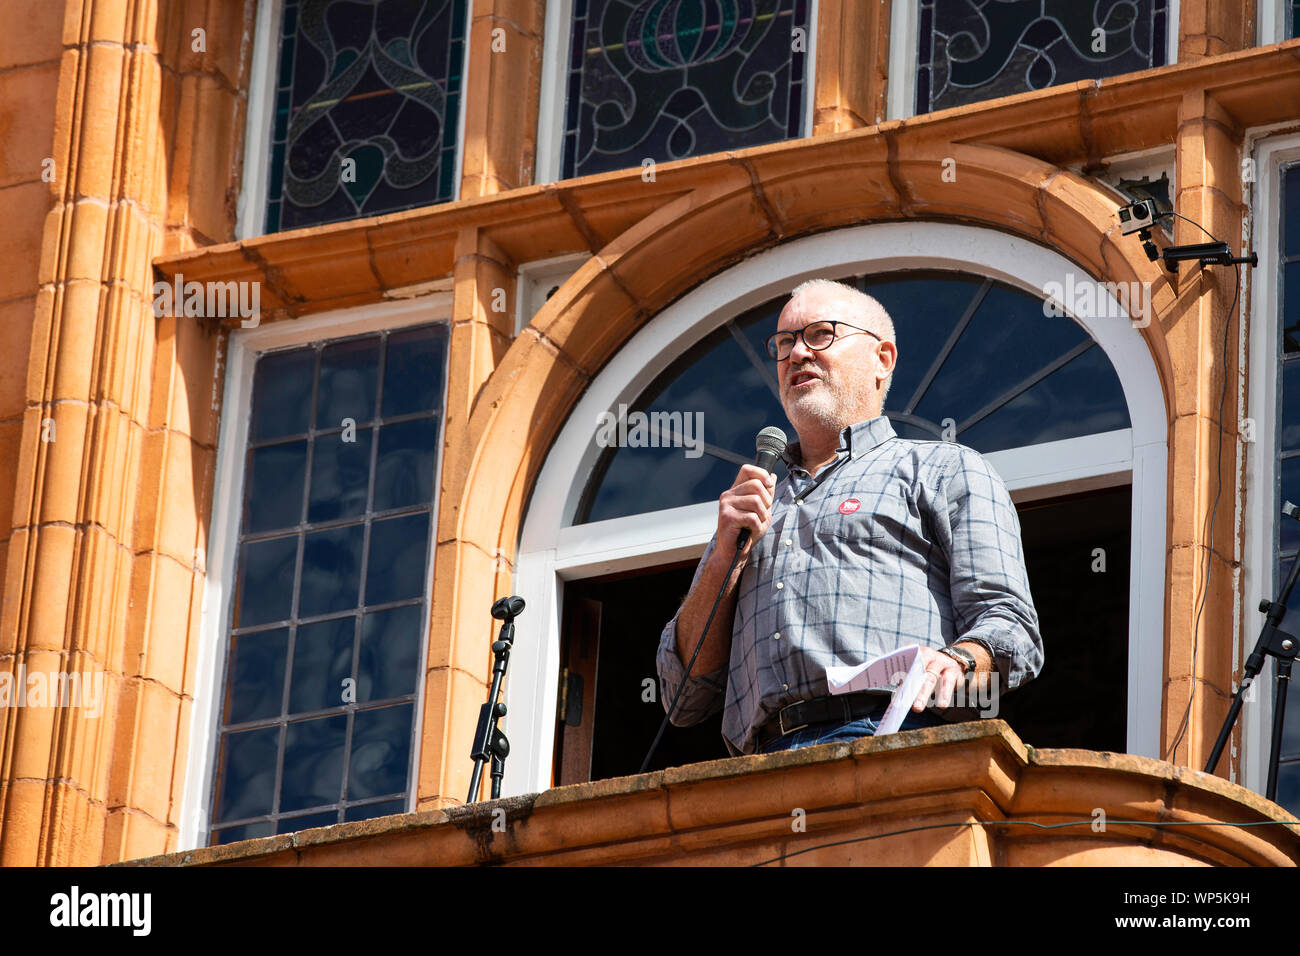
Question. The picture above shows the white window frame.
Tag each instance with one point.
(901, 96)
(555, 69)
(1260, 457)
(551, 551)
(242, 351)
(250, 214)
(1272, 28)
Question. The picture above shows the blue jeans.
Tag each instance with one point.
(835, 730)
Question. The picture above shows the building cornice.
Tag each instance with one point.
(366, 260)
(984, 796)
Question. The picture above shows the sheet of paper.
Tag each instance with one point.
(902, 670)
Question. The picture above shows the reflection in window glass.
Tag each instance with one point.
(663, 80)
(975, 354)
(967, 52)
(1288, 451)
(366, 108)
(329, 608)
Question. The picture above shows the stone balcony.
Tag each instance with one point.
(959, 795)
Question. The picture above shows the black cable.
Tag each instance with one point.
(1192, 221)
(686, 675)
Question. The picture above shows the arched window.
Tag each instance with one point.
(980, 362)
(1066, 407)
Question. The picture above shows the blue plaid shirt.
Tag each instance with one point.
(896, 542)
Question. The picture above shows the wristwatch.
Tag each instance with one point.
(963, 657)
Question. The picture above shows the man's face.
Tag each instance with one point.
(834, 387)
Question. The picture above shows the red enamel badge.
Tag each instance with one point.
(849, 505)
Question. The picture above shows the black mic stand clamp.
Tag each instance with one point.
(489, 741)
(1272, 642)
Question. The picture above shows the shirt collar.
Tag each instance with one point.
(856, 440)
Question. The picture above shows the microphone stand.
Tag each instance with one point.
(1281, 645)
(489, 741)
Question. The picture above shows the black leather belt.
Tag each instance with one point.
(805, 713)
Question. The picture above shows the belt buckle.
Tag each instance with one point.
(780, 719)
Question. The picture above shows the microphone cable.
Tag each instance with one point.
(770, 445)
(686, 675)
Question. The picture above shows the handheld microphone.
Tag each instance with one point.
(770, 445)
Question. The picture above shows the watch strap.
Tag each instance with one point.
(963, 657)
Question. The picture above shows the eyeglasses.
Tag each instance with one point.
(816, 335)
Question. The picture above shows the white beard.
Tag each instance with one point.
(825, 408)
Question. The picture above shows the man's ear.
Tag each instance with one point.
(887, 353)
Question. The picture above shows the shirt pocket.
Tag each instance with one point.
(863, 519)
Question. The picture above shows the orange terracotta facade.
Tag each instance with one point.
(104, 531)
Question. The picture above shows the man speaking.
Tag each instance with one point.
(872, 543)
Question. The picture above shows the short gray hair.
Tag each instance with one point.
(876, 319)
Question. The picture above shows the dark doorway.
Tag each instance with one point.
(611, 635)
(1077, 552)
(1081, 697)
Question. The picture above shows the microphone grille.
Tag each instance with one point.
(771, 439)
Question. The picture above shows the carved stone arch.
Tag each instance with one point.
(766, 201)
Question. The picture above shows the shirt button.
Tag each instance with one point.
(798, 501)
(779, 585)
(785, 686)
(776, 636)
(788, 542)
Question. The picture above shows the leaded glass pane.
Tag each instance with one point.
(667, 79)
(381, 749)
(257, 662)
(313, 763)
(1007, 340)
(970, 51)
(371, 810)
(1289, 429)
(366, 109)
(250, 832)
(389, 654)
(1087, 385)
(307, 821)
(276, 474)
(1287, 535)
(980, 356)
(329, 609)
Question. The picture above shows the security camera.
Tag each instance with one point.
(1138, 216)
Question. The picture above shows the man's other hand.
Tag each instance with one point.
(942, 674)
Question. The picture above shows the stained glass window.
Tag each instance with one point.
(971, 50)
(1288, 486)
(667, 79)
(1040, 378)
(366, 108)
(329, 606)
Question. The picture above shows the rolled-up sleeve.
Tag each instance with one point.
(704, 693)
(988, 580)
